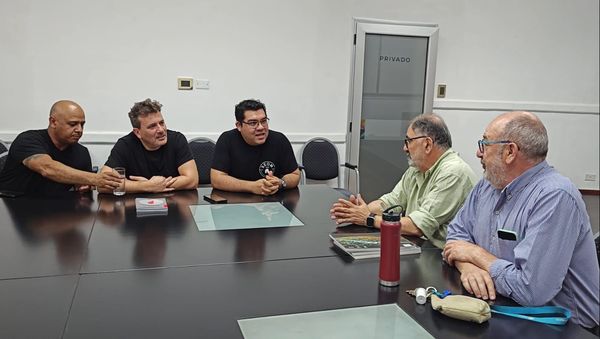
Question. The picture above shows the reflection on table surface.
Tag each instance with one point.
(45, 236)
(123, 240)
(104, 264)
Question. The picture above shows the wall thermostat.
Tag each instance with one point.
(185, 83)
(441, 91)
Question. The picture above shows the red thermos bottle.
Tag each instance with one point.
(389, 261)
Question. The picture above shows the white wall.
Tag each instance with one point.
(295, 56)
(573, 147)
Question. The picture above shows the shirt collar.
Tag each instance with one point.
(422, 176)
(437, 162)
(524, 179)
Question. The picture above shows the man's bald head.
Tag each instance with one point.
(64, 107)
(524, 129)
(65, 125)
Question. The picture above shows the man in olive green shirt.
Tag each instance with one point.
(431, 191)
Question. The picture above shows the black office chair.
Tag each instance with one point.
(319, 160)
(3, 157)
(3, 154)
(203, 150)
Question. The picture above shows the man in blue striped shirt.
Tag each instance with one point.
(524, 231)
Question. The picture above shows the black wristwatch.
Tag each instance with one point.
(371, 220)
(282, 184)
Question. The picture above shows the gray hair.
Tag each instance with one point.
(527, 131)
(433, 126)
(143, 108)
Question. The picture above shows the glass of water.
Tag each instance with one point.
(121, 189)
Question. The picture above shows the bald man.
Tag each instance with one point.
(524, 231)
(51, 160)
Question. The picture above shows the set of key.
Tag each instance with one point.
(421, 294)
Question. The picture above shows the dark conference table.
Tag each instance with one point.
(84, 266)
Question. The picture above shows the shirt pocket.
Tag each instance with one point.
(506, 249)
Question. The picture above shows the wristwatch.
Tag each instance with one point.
(371, 220)
(282, 184)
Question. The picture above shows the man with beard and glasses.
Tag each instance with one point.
(251, 157)
(50, 161)
(431, 191)
(155, 159)
(524, 231)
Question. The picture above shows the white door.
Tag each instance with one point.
(392, 82)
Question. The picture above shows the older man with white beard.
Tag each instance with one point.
(524, 231)
(431, 191)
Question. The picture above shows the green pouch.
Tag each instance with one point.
(462, 307)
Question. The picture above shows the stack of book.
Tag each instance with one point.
(368, 245)
(151, 206)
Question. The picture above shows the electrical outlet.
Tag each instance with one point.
(202, 84)
(590, 177)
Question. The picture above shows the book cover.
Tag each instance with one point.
(367, 245)
(358, 242)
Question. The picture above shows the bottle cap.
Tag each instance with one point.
(389, 215)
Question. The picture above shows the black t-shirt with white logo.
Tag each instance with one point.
(17, 177)
(242, 161)
(129, 152)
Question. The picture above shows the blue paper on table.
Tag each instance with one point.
(242, 216)
(379, 321)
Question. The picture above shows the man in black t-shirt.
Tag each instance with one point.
(49, 161)
(155, 159)
(251, 158)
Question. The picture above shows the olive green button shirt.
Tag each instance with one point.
(431, 199)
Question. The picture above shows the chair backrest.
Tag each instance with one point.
(3, 147)
(3, 154)
(320, 159)
(203, 150)
(3, 157)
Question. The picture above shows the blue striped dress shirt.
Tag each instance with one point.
(553, 260)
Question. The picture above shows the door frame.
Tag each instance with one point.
(362, 27)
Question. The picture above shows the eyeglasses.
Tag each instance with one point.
(254, 123)
(482, 143)
(408, 140)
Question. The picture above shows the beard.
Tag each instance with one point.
(495, 173)
(411, 162)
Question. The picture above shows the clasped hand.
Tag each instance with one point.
(268, 185)
(156, 183)
(354, 211)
